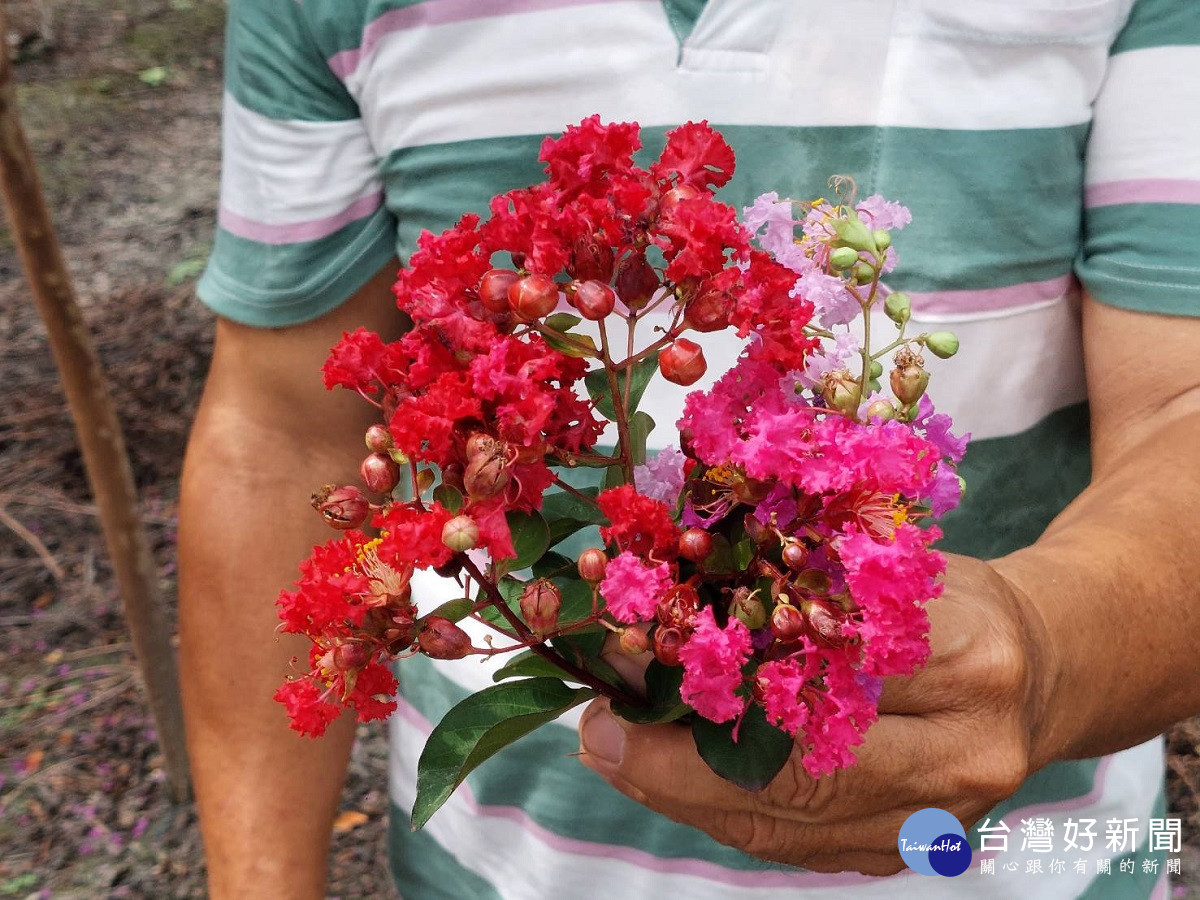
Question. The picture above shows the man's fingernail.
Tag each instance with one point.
(603, 740)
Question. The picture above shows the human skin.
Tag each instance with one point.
(1079, 645)
(265, 435)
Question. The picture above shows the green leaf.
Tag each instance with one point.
(562, 321)
(186, 270)
(455, 610)
(480, 726)
(510, 589)
(743, 553)
(528, 664)
(568, 514)
(568, 345)
(597, 385)
(576, 600)
(662, 692)
(553, 565)
(761, 750)
(450, 497)
(530, 537)
(640, 426)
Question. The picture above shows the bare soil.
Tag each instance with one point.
(121, 101)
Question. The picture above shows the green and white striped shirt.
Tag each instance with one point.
(1042, 145)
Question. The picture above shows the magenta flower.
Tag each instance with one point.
(712, 667)
(631, 589)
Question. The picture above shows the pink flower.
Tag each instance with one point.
(661, 478)
(876, 212)
(712, 667)
(779, 683)
(631, 589)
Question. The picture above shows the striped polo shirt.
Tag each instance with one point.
(1044, 146)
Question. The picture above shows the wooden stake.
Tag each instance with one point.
(96, 424)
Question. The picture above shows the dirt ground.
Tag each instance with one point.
(121, 100)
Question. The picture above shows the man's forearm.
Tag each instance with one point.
(1116, 579)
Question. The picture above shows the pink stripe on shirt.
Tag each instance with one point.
(295, 232)
(991, 300)
(438, 12)
(1143, 190)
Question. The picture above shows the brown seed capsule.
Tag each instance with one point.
(636, 282)
(841, 390)
(593, 299)
(532, 297)
(592, 563)
(709, 311)
(442, 639)
(667, 642)
(909, 379)
(341, 507)
(352, 655)
(378, 439)
(695, 545)
(540, 603)
(824, 623)
(787, 623)
(485, 477)
(748, 608)
(493, 289)
(795, 555)
(379, 473)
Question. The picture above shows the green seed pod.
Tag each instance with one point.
(843, 257)
(942, 344)
(863, 273)
(852, 232)
(883, 239)
(898, 307)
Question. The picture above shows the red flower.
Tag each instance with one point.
(639, 524)
(698, 155)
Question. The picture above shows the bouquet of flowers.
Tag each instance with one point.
(772, 568)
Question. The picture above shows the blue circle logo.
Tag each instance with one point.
(933, 842)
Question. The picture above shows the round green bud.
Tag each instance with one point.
(942, 344)
(883, 239)
(876, 369)
(843, 257)
(852, 232)
(863, 273)
(898, 307)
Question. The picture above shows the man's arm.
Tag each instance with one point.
(267, 433)
(1082, 644)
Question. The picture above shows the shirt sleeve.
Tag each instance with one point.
(302, 223)
(1142, 189)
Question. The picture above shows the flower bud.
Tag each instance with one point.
(841, 391)
(480, 444)
(863, 273)
(636, 282)
(532, 297)
(442, 639)
(795, 555)
(352, 655)
(593, 299)
(540, 602)
(634, 641)
(942, 344)
(592, 563)
(881, 409)
(748, 608)
(708, 311)
(787, 623)
(882, 239)
(670, 199)
(695, 545)
(590, 259)
(667, 642)
(452, 476)
(898, 307)
(460, 534)
(378, 439)
(909, 383)
(876, 369)
(843, 257)
(379, 473)
(759, 533)
(485, 477)
(493, 289)
(678, 607)
(682, 362)
(852, 232)
(341, 507)
(824, 623)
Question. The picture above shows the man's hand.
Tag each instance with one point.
(956, 735)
